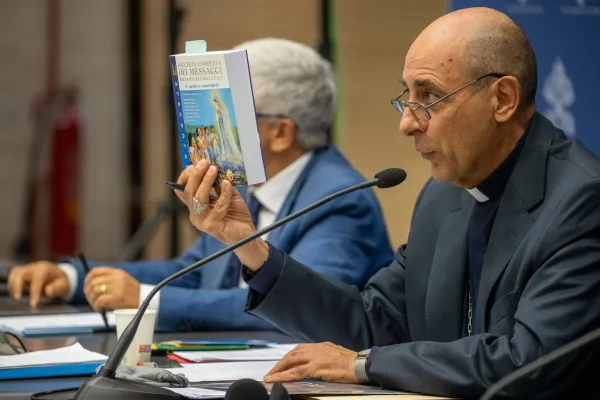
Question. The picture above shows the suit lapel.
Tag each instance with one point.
(511, 224)
(447, 278)
(290, 201)
(524, 190)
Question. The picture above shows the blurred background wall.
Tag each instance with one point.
(92, 37)
(116, 52)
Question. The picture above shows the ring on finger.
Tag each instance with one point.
(198, 207)
(101, 289)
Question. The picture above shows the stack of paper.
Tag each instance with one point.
(272, 352)
(228, 371)
(65, 361)
(198, 393)
(56, 324)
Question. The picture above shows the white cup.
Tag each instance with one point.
(141, 347)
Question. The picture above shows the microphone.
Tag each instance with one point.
(249, 389)
(105, 385)
(527, 369)
(390, 177)
(246, 389)
(279, 392)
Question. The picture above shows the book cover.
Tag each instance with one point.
(216, 117)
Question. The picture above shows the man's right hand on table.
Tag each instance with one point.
(42, 278)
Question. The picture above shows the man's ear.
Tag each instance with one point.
(507, 98)
(282, 135)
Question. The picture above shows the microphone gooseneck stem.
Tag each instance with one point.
(540, 362)
(110, 368)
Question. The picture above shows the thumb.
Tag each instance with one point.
(49, 290)
(56, 288)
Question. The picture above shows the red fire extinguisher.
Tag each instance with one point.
(51, 212)
(65, 168)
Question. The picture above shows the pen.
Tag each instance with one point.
(180, 187)
(86, 267)
(175, 186)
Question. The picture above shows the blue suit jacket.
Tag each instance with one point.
(345, 239)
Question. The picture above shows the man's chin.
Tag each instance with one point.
(438, 174)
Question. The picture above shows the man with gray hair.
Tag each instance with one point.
(346, 239)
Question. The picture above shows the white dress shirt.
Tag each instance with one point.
(271, 195)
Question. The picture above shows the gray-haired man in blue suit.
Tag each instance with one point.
(346, 240)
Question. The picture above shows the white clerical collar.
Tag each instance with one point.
(272, 193)
(478, 195)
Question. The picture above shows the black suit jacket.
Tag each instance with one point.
(540, 285)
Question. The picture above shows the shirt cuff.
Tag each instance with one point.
(144, 292)
(71, 274)
(370, 358)
(265, 278)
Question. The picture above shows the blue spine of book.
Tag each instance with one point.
(183, 140)
(46, 371)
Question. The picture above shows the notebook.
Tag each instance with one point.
(72, 360)
(56, 324)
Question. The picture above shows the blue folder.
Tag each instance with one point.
(57, 331)
(62, 331)
(50, 370)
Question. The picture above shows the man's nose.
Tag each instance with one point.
(409, 123)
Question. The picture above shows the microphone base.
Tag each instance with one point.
(101, 388)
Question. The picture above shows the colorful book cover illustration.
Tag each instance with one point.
(216, 116)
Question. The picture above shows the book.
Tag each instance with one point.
(56, 324)
(72, 360)
(252, 342)
(209, 345)
(200, 347)
(216, 116)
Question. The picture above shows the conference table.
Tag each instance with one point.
(103, 342)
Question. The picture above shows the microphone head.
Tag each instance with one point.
(247, 389)
(390, 177)
(279, 392)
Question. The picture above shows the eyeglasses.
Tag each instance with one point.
(420, 110)
(12, 341)
(278, 116)
(282, 116)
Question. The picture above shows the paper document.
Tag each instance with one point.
(198, 393)
(55, 322)
(228, 371)
(270, 353)
(307, 387)
(65, 355)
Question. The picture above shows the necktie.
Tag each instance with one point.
(236, 268)
(254, 206)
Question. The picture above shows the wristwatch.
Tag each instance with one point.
(360, 366)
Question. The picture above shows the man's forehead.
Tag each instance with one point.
(436, 68)
(437, 51)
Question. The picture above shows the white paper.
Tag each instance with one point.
(65, 355)
(198, 393)
(227, 371)
(52, 321)
(270, 353)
